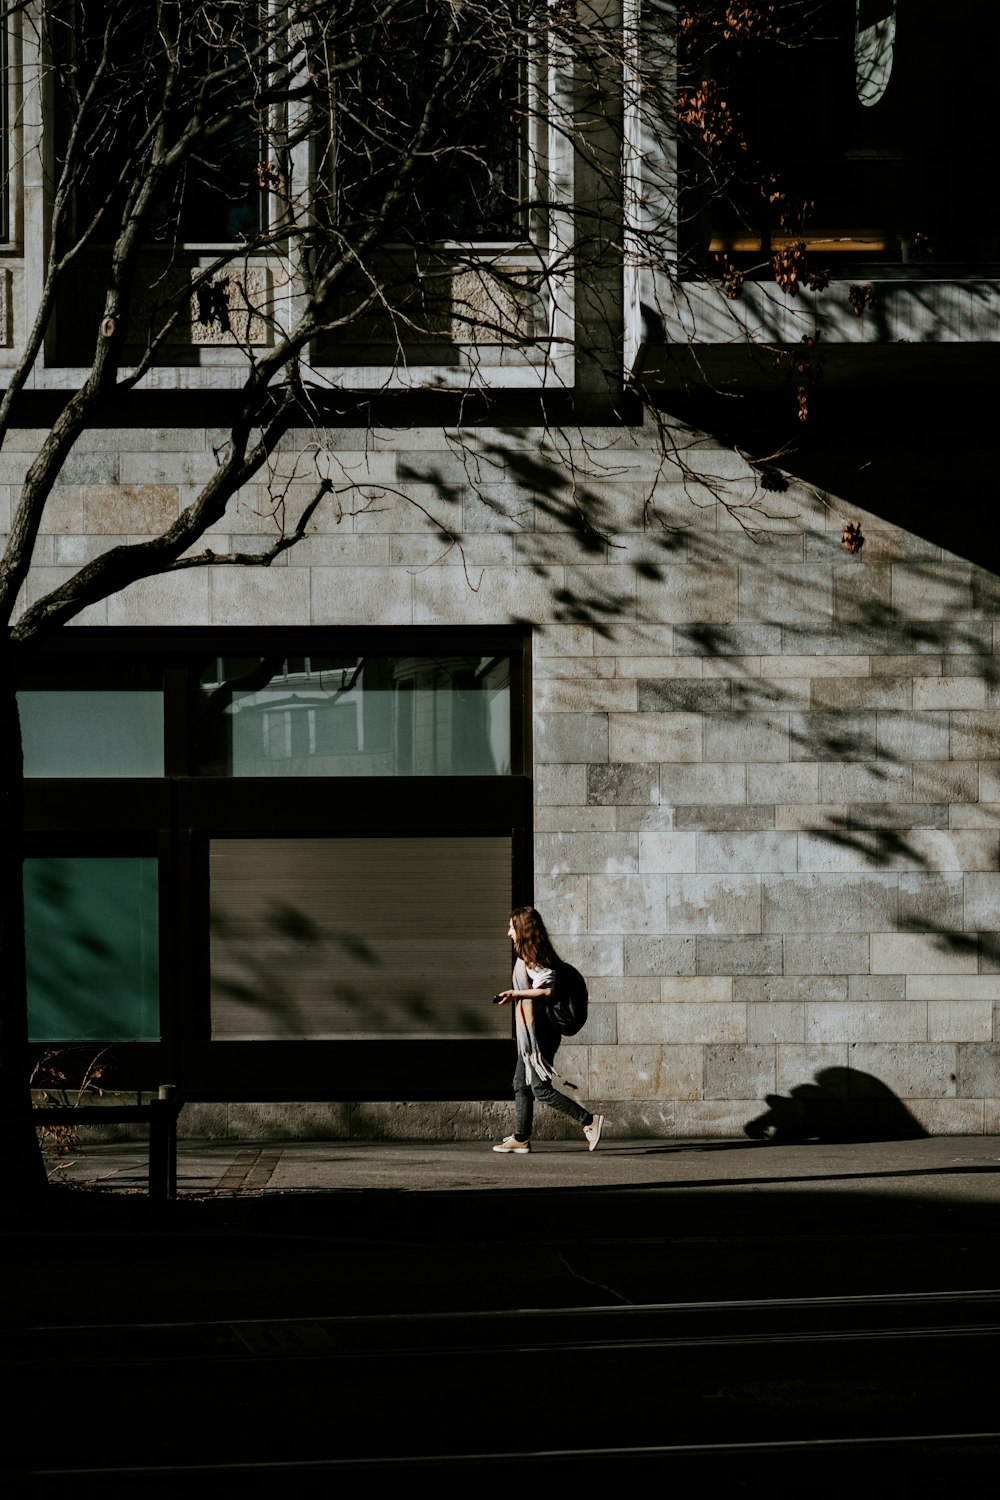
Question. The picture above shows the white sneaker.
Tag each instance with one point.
(520, 1147)
(593, 1131)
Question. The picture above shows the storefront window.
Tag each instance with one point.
(180, 911)
(353, 716)
(359, 938)
(102, 733)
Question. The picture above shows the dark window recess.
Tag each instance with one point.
(857, 134)
(471, 133)
(110, 82)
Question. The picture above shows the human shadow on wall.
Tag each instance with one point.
(842, 1104)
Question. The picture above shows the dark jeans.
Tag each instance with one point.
(542, 1090)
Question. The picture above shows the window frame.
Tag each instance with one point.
(178, 815)
(181, 245)
(538, 356)
(545, 359)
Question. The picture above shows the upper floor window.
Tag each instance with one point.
(430, 118)
(362, 155)
(414, 112)
(131, 80)
(842, 124)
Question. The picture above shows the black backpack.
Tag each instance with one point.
(568, 1005)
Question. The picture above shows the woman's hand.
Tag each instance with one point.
(505, 997)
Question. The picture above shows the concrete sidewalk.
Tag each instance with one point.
(960, 1167)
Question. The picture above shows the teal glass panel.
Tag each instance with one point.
(353, 716)
(92, 939)
(103, 733)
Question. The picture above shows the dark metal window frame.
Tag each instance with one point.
(178, 815)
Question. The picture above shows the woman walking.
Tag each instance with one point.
(532, 986)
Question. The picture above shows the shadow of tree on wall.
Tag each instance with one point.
(843, 1104)
(897, 807)
(725, 529)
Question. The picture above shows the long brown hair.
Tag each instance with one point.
(532, 941)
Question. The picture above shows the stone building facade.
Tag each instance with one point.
(748, 770)
(765, 787)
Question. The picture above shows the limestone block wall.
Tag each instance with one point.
(766, 826)
(767, 771)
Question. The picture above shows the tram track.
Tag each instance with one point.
(663, 1325)
(726, 1382)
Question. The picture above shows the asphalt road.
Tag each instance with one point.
(800, 1314)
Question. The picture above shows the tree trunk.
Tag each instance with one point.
(23, 1170)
